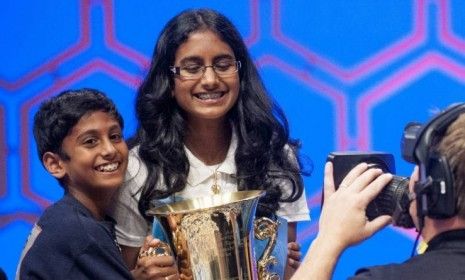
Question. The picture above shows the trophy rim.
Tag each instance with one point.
(203, 203)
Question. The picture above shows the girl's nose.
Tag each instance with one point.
(209, 77)
(108, 149)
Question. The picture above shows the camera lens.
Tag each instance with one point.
(393, 201)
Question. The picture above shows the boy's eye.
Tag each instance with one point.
(116, 137)
(90, 141)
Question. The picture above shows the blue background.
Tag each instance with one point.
(348, 74)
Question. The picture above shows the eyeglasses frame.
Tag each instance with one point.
(177, 70)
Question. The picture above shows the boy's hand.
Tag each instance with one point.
(151, 266)
(293, 259)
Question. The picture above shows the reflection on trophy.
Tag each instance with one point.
(212, 237)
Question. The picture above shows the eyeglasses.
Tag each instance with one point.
(196, 71)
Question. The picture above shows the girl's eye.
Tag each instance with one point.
(223, 65)
(192, 68)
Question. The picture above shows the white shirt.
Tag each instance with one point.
(132, 228)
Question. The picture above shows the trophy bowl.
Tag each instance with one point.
(212, 236)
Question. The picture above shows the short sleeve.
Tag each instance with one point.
(293, 211)
(131, 227)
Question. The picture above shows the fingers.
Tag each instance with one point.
(354, 174)
(156, 261)
(328, 188)
(372, 180)
(153, 267)
(293, 255)
(185, 277)
(293, 251)
(149, 241)
(293, 263)
(378, 223)
(294, 246)
(369, 183)
(376, 186)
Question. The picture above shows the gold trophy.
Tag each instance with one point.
(213, 236)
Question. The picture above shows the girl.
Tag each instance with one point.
(207, 126)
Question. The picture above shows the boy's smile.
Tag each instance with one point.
(97, 154)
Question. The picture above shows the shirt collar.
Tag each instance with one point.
(447, 239)
(199, 172)
(108, 221)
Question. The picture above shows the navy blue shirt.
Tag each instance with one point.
(444, 259)
(69, 243)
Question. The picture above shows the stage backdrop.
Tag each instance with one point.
(348, 74)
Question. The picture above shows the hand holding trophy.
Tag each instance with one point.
(156, 260)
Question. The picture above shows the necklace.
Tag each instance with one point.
(216, 188)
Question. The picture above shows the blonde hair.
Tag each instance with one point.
(452, 146)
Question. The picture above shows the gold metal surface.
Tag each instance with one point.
(266, 228)
(212, 236)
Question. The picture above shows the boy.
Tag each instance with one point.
(80, 142)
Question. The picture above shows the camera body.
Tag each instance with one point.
(393, 200)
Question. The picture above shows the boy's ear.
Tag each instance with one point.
(54, 165)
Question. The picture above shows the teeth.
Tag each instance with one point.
(205, 96)
(108, 167)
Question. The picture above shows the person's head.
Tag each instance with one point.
(451, 146)
(79, 139)
(190, 40)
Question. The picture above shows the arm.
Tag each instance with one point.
(292, 232)
(343, 220)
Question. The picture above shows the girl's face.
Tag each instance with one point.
(210, 96)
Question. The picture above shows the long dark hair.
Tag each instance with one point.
(262, 129)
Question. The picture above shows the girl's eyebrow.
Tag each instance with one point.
(188, 59)
(223, 56)
(198, 59)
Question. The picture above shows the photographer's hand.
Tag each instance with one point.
(343, 219)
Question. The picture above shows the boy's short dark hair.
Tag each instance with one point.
(58, 115)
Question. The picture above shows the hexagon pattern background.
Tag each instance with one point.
(348, 74)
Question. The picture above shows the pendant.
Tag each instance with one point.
(215, 189)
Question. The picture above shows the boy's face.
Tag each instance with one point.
(97, 152)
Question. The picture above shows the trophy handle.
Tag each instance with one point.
(265, 228)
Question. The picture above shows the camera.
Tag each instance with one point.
(393, 200)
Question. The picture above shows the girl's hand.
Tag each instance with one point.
(293, 259)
